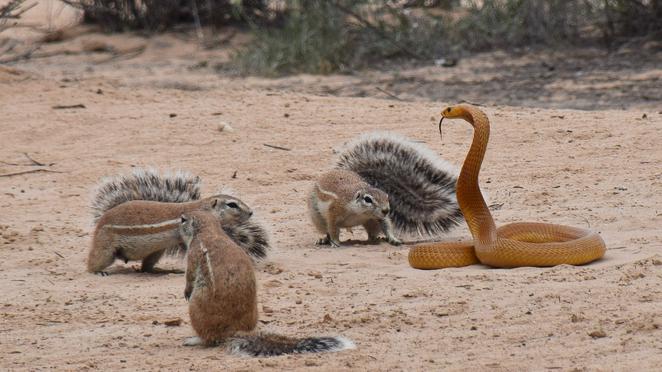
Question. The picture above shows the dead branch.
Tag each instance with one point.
(30, 54)
(63, 107)
(125, 54)
(198, 25)
(34, 162)
(29, 171)
(14, 164)
(388, 94)
(277, 147)
(13, 10)
(25, 55)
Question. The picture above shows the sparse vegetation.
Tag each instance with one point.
(9, 14)
(628, 18)
(312, 39)
(12, 11)
(333, 35)
(488, 24)
(503, 24)
(323, 36)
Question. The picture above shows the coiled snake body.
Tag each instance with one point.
(512, 245)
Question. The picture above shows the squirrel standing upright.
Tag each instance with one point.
(137, 218)
(385, 182)
(222, 292)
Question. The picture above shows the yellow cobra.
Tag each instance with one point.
(512, 245)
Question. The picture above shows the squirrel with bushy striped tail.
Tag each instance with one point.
(222, 292)
(137, 218)
(385, 183)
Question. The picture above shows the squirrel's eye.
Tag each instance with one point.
(367, 199)
(233, 205)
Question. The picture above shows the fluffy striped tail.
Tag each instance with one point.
(420, 185)
(266, 344)
(251, 237)
(145, 184)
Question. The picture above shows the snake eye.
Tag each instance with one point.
(448, 109)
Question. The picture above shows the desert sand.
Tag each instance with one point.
(600, 169)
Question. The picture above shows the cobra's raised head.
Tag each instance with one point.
(452, 112)
(461, 111)
(457, 112)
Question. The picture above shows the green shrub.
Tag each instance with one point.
(628, 18)
(321, 36)
(324, 36)
(512, 23)
(314, 38)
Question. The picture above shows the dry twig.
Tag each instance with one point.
(277, 147)
(34, 162)
(63, 107)
(12, 10)
(125, 54)
(388, 93)
(29, 171)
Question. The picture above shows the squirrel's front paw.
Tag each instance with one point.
(328, 241)
(394, 241)
(323, 241)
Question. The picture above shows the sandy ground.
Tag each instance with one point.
(597, 169)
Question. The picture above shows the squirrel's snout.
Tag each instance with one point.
(386, 210)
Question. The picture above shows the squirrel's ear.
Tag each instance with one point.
(357, 196)
(214, 203)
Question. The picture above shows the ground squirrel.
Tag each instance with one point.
(341, 198)
(222, 293)
(385, 182)
(145, 230)
(137, 218)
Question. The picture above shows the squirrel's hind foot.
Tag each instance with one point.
(327, 241)
(198, 341)
(193, 341)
